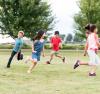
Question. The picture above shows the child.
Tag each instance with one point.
(17, 47)
(37, 48)
(87, 27)
(55, 45)
(91, 46)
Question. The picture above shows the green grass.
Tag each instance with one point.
(56, 78)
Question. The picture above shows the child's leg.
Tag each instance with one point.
(59, 56)
(83, 63)
(78, 63)
(34, 63)
(94, 60)
(10, 59)
(93, 69)
(28, 59)
(51, 56)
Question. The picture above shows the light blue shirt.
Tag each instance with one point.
(18, 44)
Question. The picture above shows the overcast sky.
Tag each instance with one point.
(64, 11)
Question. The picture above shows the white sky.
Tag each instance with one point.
(64, 11)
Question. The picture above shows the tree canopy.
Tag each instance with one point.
(89, 13)
(27, 15)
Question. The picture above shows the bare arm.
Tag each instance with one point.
(51, 45)
(43, 52)
(97, 41)
(60, 45)
(33, 47)
(86, 48)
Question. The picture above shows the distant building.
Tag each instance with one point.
(6, 39)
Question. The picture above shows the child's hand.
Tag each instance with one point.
(17, 54)
(60, 46)
(34, 51)
(85, 53)
(43, 55)
(51, 45)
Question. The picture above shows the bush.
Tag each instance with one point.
(10, 46)
(68, 47)
(47, 46)
(6, 46)
(73, 47)
(25, 46)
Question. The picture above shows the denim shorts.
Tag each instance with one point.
(35, 56)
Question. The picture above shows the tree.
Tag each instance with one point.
(77, 38)
(27, 15)
(89, 13)
(69, 37)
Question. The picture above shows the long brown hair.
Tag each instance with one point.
(39, 35)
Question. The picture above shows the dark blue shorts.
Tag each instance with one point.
(35, 56)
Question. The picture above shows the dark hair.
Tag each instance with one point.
(92, 28)
(39, 35)
(87, 27)
(56, 32)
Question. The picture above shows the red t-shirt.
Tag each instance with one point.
(55, 41)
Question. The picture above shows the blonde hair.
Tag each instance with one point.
(21, 32)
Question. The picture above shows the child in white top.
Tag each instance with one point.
(92, 45)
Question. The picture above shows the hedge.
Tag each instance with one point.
(68, 47)
(47, 46)
(10, 46)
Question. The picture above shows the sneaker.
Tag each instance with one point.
(63, 60)
(26, 61)
(76, 64)
(92, 74)
(28, 71)
(8, 66)
(48, 62)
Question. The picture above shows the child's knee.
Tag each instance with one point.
(52, 55)
(56, 55)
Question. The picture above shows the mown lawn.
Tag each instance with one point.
(57, 78)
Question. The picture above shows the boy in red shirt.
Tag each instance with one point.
(56, 44)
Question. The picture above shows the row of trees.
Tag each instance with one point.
(32, 15)
(26, 15)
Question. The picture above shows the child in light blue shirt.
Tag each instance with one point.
(17, 47)
(18, 44)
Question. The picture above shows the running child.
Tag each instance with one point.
(87, 27)
(17, 47)
(37, 48)
(56, 44)
(91, 48)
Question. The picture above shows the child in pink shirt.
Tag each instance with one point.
(92, 45)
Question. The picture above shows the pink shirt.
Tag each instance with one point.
(92, 42)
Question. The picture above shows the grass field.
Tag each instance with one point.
(57, 78)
